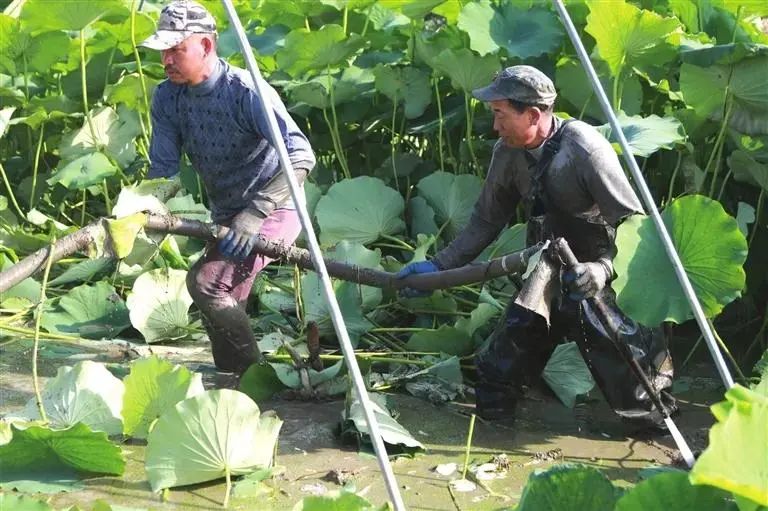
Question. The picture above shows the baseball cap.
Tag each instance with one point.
(525, 84)
(179, 20)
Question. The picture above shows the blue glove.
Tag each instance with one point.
(238, 242)
(416, 268)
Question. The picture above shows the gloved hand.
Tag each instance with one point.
(585, 280)
(238, 242)
(416, 268)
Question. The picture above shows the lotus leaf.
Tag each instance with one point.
(28, 289)
(523, 33)
(130, 92)
(428, 46)
(710, 246)
(745, 216)
(260, 382)
(359, 210)
(466, 70)
(627, 36)
(478, 318)
(407, 85)
(207, 436)
(291, 378)
(115, 131)
(86, 393)
(446, 339)
(422, 218)
(746, 169)
(84, 171)
(22, 503)
(123, 231)
(510, 240)
(722, 54)
(672, 491)
(118, 35)
(567, 487)
(738, 447)
(41, 15)
(351, 84)
(90, 311)
(83, 271)
(574, 86)
(336, 501)
(452, 197)
(646, 135)
(38, 449)
(147, 195)
(328, 47)
(567, 374)
(355, 425)
(159, 303)
(153, 386)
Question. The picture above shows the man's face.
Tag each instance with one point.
(517, 129)
(185, 63)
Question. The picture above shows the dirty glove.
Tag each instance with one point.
(238, 242)
(585, 280)
(416, 268)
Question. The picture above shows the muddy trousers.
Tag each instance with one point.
(522, 343)
(220, 288)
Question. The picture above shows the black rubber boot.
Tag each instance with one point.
(232, 341)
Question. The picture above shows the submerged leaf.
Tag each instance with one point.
(159, 303)
(153, 387)
(204, 437)
(90, 311)
(86, 393)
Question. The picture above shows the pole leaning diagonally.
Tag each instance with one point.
(306, 222)
(646, 196)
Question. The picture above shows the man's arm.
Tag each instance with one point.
(165, 146)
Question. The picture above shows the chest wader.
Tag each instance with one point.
(522, 343)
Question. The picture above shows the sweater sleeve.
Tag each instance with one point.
(165, 146)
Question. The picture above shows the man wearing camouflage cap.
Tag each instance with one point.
(569, 179)
(212, 112)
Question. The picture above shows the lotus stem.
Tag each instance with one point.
(393, 142)
(340, 147)
(469, 446)
(10, 192)
(719, 141)
(36, 165)
(84, 86)
(229, 487)
(674, 177)
(468, 108)
(435, 80)
(725, 349)
(36, 344)
(136, 56)
(402, 244)
(758, 209)
(29, 331)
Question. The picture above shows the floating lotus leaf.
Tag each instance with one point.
(567, 374)
(627, 36)
(567, 487)
(671, 491)
(452, 197)
(738, 447)
(207, 436)
(646, 135)
(318, 49)
(85, 393)
(91, 311)
(407, 85)
(446, 339)
(159, 304)
(153, 386)
(260, 382)
(711, 248)
(359, 210)
(38, 449)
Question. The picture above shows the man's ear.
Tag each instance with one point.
(535, 114)
(207, 44)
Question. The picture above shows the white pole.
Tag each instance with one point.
(317, 259)
(645, 194)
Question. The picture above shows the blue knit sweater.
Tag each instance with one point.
(219, 124)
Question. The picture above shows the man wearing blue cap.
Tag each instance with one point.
(569, 178)
(212, 112)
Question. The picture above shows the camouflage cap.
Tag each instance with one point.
(525, 84)
(179, 20)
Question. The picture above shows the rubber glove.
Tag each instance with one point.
(585, 280)
(416, 268)
(238, 242)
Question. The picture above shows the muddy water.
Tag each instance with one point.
(546, 433)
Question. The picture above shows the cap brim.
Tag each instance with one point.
(164, 39)
(489, 93)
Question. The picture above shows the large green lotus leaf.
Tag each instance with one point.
(115, 131)
(738, 447)
(523, 33)
(291, 377)
(446, 339)
(84, 270)
(452, 197)
(259, 382)
(86, 393)
(408, 85)
(567, 487)
(22, 503)
(146, 195)
(427, 45)
(466, 70)
(711, 248)
(384, 19)
(204, 437)
(392, 432)
(422, 218)
(159, 303)
(90, 311)
(704, 89)
(153, 386)
(352, 83)
(567, 374)
(318, 49)
(40, 15)
(39, 449)
(510, 240)
(574, 87)
(671, 491)
(28, 289)
(629, 36)
(84, 171)
(478, 318)
(123, 231)
(722, 54)
(130, 92)
(336, 501)
(20, 50)
(359, 210)
(118, 35)
(747, 170)
(646, 135)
